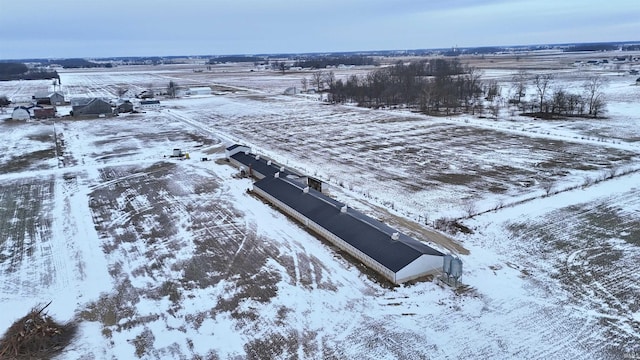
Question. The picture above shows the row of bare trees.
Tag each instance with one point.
(442, 86)
(433, 86)
(553, 100)
(320, 80)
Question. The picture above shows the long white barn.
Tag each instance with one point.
(394, 255)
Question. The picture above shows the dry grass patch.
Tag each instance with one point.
(36, 336)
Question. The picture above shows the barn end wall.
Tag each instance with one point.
(424, 265)
(371, 263)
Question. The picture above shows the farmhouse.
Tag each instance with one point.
(394, 255)
(21, 113)
(149, 104)
(49, 98)
(90, 107)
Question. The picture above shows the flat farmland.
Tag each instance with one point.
(27, 147)
(26, 218)
(434, 166)
(157, 257)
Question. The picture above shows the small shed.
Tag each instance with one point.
(124, 107)
(146, 94)
(21, 113)
(201, 90)
(44, 112)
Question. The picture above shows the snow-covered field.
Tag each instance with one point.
(162, 258)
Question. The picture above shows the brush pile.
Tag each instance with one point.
(35, 336)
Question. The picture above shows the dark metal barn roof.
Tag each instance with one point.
(368, 235)
(262, 165)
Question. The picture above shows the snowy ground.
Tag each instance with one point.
(162, 258)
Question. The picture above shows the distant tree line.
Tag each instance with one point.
(327, 61)
(591, 47)
(438, 86)
(235, 58)
(20, 71)
(632, 47)
(149, 60)
(80, 63)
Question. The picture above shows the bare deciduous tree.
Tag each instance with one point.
(329, 79)
(593, 94)
(317, 79)
(470, 208)
(305, 84)
(542, 83)
(4, 101)
(519, 85)
(493, 90)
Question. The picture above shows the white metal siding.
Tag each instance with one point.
(200, 91)
(425, 264)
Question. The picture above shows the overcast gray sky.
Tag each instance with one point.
(86, 28)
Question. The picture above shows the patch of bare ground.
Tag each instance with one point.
(373, 336)
(111, 309)
(252, 284)
(143, 342)
(274, 346)
(287, 345)
(29, 161)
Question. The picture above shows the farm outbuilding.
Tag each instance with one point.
(21, 113)
(124, 107)
(260, 167)
(145, 94)
(394, 255)
(149, 104)
(44, 112)
(202, 90)
(90, 107)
